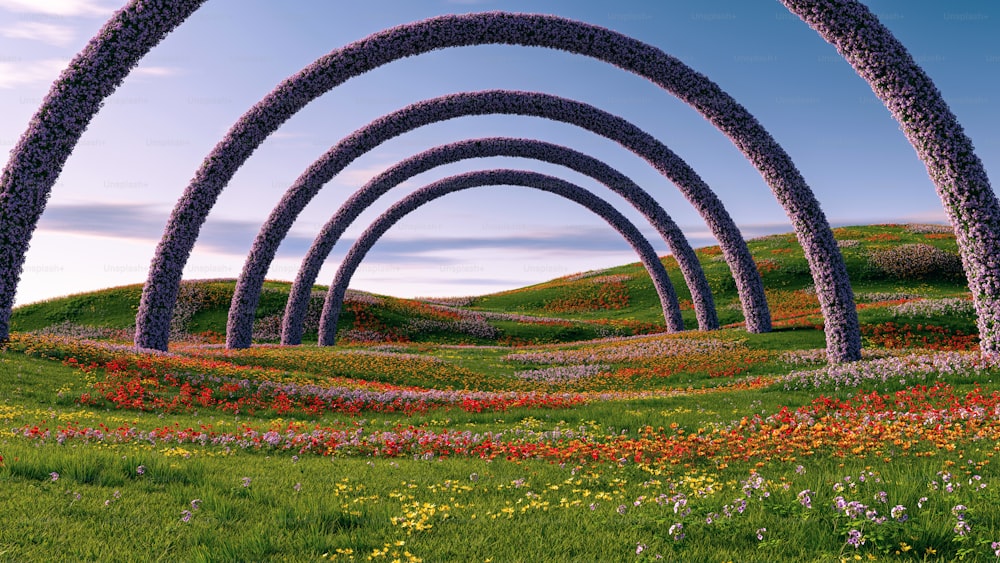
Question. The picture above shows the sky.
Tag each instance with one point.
(111, 203)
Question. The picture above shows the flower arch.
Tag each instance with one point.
(298, 300)
(748, 283)
(826, 263)
(867, 45)
(498, 177)
(935, 133)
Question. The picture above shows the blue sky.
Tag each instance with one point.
(113, 198)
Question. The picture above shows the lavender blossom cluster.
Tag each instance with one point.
(499, 177)
(361, 200)
(624, 349)
(562, 374)
(74, 98)
(949, 306)
(915, 261)
(905, 370)
(520, 29)
(933, 130)
(472, 325)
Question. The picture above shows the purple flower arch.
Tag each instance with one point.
(498, 177)
(826, 263)
(298, 300)
(73, 100)
(748, 282)
(932, 129)
(869, 47)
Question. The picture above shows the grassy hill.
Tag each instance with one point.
(399, 446)
(885, 263)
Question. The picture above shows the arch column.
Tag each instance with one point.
(934, 132)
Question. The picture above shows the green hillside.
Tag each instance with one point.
(885, 263)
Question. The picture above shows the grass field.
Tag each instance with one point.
(555, 422)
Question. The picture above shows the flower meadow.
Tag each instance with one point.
(722, 445)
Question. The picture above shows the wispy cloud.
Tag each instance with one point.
(156, 71)
(65, 8)
(52, 34)
(230, 236)
(21, 73)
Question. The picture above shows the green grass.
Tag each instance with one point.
(299, 506)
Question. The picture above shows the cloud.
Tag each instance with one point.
(65, 8)
(155, 71)
(52, 34)
(234, 237)
(20, 73)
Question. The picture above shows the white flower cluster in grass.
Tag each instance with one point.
(447, 301)
(878, 297)
(818, 356)
(934, 307)
(903, 369)
(613, 278)
(624, 349)
(929, 228)
(354, 296)
(562, 374)
(583, 275)
(848, 243)
(72, 330)
(352, 335)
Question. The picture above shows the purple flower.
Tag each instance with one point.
(185, 516)
(760, 533)
(899, 513)
(196, 504)
(297, 487)
(245, 481)
(805, 499)
(54, 476)
(140, 470)
(855, 539)
(640, 548)
(995, 546)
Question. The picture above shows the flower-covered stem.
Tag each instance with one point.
(500, 177)
(73, 100)
(749, 285)
(933, 130)
(298, 300)
(153, 318)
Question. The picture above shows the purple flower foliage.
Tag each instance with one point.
(73, 100)
(702, 94)
(278, 224)
(500, 177)
(932, 129)
(474, 148)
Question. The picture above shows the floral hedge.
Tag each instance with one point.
(932, 129)
(474, 148)
(278, 224)
(500, 177)
(392, 44)
(73, 100)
